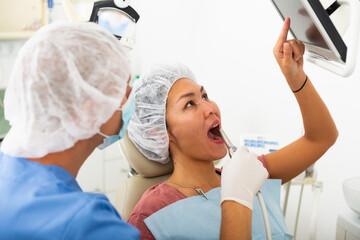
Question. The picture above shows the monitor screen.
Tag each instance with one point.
(304, 28)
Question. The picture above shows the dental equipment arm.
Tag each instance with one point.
(241, 165)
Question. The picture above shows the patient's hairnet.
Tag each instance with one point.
(67, 81)
(147, 128)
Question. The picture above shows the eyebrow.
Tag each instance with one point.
(191, 94)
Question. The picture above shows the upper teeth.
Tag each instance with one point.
(215, 126)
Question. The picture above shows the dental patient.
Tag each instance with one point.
(175, 120)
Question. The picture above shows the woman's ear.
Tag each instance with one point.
(172, 145)
(170, 136)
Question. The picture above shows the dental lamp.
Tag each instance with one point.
(122, 3)
(322, 25)
(118, 17)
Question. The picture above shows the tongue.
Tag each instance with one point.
(214, 133)
(211, 135)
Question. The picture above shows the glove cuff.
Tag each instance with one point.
(245, 203)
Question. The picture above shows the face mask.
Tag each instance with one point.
(127, 111)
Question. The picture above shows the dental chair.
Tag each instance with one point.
(144, 173)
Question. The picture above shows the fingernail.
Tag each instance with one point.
(297, 59)
(287, 46)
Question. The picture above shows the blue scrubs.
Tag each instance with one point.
(45, 202)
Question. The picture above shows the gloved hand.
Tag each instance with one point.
(242, 177)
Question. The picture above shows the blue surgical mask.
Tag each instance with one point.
(127, 110)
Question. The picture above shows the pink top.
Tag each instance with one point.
(157, 197)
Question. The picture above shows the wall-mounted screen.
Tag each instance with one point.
(311, 24)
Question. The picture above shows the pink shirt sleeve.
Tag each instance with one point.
(264, 161)
(137, 220)
(153, 199)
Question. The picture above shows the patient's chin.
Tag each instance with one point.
(219, 154)
(224, 153)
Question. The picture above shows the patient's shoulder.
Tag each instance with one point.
(156, 198)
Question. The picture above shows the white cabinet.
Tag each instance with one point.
(115, 172)
(103, 171)
(348, 226)
(342, 234)
(90, 176)
(19, 19)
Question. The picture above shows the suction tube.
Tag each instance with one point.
(232, 150)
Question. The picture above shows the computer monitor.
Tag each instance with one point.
(311, 24)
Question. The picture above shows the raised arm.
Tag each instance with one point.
(320, 132)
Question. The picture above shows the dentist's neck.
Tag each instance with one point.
(73, 158)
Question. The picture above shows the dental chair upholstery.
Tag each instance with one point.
(149, 173)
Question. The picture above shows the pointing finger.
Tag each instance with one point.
(283, 35)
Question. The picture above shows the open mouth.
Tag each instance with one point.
(214, 133)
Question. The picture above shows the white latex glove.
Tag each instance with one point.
(242, 177)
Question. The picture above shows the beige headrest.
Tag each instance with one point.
(140, 163)
(130, 191)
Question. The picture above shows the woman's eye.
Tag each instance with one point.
(189, 104)
(205, 96)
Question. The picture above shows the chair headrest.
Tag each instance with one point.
(140, 163)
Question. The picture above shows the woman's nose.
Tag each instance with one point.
(209, 109)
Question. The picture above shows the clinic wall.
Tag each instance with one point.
(229, 45)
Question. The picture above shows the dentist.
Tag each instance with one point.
(67, 95)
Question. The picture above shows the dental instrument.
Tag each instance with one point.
(232, 149)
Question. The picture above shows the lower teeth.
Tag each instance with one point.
(217, 137)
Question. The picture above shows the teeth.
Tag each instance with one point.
(217, 137)
(215, 126)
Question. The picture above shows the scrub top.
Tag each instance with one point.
(45, 202)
